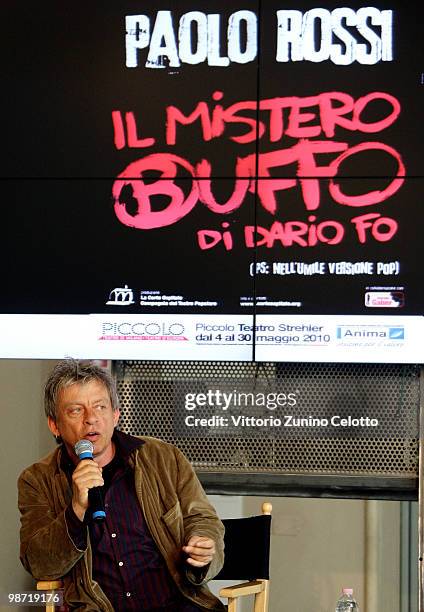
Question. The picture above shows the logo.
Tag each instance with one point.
(121, 296)
(369, 334)
(142, 330)
(397, 333)
(384, 299)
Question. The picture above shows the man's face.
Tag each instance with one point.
(84, 410)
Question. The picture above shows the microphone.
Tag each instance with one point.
(84, 450)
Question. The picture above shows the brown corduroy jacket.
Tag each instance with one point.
(174, 505)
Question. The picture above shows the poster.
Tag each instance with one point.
(249, 175)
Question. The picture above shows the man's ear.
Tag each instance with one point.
(53, 427)
(116, 415)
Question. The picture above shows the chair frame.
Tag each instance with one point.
(49, 585)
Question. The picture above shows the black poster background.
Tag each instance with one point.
(64, 249)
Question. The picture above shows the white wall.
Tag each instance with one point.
(319, 546)
(24, 438)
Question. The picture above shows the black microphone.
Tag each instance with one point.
(84, 450)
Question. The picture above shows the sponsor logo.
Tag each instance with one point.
(369, 333)
(142, 330)
(384, 299)
(121, 296)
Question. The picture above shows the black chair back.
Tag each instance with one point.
(247, 548)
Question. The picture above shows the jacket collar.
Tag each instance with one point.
(125, 445)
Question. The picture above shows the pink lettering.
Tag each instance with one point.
(372, 197)
(130, 137)
(302, 165)
(293, 232)
(145, 217)
(376, 224)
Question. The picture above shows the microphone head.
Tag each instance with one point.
(84, 449)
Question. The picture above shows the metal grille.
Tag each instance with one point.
(387, 392)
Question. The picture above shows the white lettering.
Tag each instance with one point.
(319, 35)
(137, 37)
(316, 35)
(187, 55)
(163, 32)
(235, 52)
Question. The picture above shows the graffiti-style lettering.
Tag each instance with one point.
(294, 117)
(301, 155)
(294, 232)
(207, 239)
(145, 217)
(128, 137)
(301, 166)
(382, 228)
(285, 116)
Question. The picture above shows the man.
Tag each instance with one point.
(161, 540)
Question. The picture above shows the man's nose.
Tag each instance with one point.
(90, 415)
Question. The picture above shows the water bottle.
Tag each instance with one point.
(347, 602)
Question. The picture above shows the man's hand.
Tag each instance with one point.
(86, 475)
(200, 551)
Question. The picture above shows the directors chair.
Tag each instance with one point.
(247, 552)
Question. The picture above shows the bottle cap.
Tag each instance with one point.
(348, 591)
